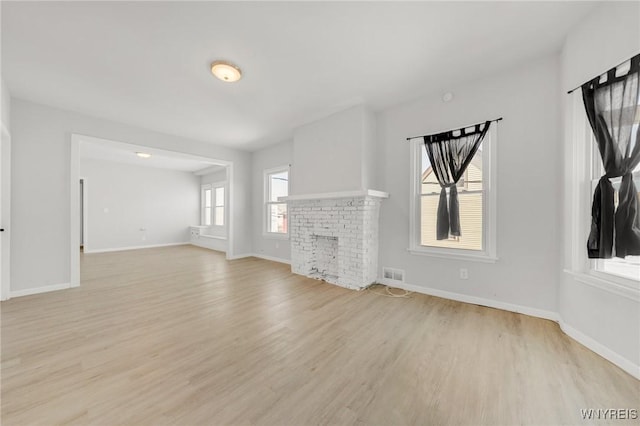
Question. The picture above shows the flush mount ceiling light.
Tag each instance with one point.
(143, 154)
(447, 97)
(226, 71)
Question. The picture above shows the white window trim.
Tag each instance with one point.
(214, 186)
(594, 174)
(489, 254)
(266, 203)
(580, 193)
(203, 188)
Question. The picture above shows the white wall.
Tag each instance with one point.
(607, 321)
(122, 200)
(5, 105)
(268, 158)
(215, 177)
(41, 194)
(528, 142)
(369, 152)
(333, 154)
(609, 35)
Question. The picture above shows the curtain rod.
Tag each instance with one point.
(616, 67)
(490, 121)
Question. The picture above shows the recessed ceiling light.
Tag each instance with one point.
(226, 71)
(143, 154)
(447, 97)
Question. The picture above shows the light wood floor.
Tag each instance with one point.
(180, 336)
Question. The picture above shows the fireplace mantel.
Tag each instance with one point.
(337, 195)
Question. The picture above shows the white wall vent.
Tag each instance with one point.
(392, 274)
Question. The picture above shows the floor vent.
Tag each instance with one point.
(393, 274)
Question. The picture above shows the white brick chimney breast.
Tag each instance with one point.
(333, 213)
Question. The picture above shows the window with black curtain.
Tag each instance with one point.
(611, 104)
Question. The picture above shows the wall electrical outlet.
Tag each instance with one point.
(464, 274)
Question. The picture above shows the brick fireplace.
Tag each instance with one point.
(334, 237)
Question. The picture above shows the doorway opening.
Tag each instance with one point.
(142, 197)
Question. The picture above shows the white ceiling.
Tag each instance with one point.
(147, 63)
(100, 149)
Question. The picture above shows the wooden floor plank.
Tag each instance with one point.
(179, 335)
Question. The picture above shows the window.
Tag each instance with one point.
(219, 203)
(584, 167)
(276, 186)
(629, 267)
(476, 200)
(213, 203)
(206, 200)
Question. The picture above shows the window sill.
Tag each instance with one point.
(275, 236)
(615, 285)
(454, 255)
(213, 237)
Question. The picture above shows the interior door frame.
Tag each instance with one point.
(74, 178)
(85, 216)
(5, 197)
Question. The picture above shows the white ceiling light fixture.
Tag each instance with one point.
(143, 154)
(226, 71)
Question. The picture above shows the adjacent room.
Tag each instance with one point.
(133, 197)
(295, 213)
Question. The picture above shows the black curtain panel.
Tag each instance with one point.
(450, 154)
(612, 105)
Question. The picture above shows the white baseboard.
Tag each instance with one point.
(512, 307)
(601, 350)
(91, 251)
(239, 256)
(576, 335)
(216, 244)
(208, 248)
(272, 258)
(259, 256)
(38, 290)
